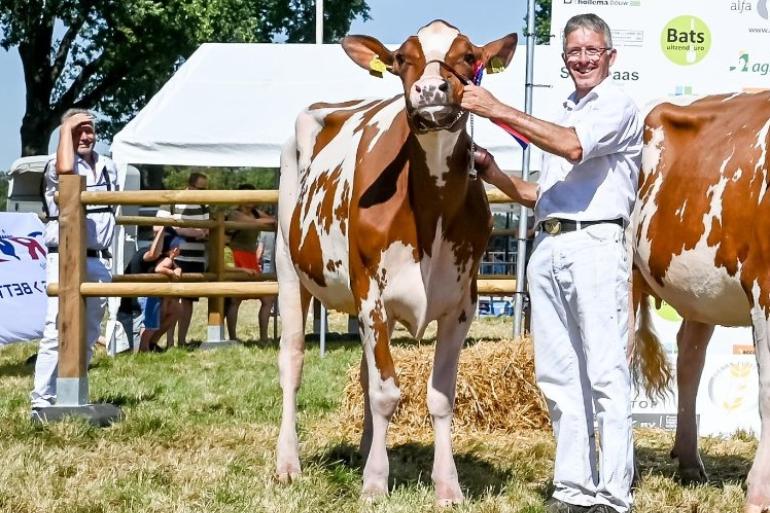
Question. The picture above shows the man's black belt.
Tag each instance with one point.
(555, 225)
(90, 253)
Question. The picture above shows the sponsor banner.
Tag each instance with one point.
(22, 277)
(665, 49)
(728, 392)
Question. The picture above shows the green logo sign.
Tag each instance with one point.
(745, 65)
(685, 40)
(668, 313)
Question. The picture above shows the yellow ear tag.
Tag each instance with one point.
(377, 67)
(495, 65)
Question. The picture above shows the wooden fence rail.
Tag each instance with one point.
(216, 284)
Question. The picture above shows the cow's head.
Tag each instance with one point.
(432, 66)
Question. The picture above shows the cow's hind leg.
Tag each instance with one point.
(758, 481)
(692, 340)
(383, 394)
(442, 384)
(293, 301)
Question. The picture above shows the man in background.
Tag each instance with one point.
(74, 155)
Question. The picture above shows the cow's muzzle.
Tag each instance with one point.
(436, 117)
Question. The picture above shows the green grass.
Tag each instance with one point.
(199, 436)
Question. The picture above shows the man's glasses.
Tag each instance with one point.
(592, 52)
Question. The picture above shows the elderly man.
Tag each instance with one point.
(578, 273)
(74, 154)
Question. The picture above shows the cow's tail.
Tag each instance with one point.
(650, 368)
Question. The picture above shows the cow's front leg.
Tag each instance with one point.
(692, 340)
(452, 329)
(363, 376)
(384, 394)
(758, 481)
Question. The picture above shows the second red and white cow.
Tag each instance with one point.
(378, 217)
(702, 243)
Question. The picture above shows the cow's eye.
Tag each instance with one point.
(400, 59)
(470, 58)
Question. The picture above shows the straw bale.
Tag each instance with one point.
(496, 392)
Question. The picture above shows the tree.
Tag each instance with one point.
(3, 190)
(111, 56)
(542, 22)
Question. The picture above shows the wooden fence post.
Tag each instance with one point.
(216, 305)
(72, 378)
(72, 382)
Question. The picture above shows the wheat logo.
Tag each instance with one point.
(733, 387)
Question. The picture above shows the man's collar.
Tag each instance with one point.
(94, 154)
(570, 102)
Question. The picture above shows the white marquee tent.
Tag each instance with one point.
(235, 104)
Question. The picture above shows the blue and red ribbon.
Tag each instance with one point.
(478, 73)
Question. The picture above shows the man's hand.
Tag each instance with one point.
(72, 123)
(177, 273)
(480, 101)
(486, 165)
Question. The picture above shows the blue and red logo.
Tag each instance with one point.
(17, 248)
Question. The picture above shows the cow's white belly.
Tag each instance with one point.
(698, 289)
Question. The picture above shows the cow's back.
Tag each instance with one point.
(317, 182)
(701, 219)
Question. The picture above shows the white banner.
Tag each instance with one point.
(686, 47)
(22, 277)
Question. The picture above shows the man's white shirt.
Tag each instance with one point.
(100, 223)
(602, 186)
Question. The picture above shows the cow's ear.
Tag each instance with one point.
(498, 54)
(368, 53)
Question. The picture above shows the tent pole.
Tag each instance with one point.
(521, 253)
(319, 39)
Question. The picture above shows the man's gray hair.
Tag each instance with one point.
(590, 22)
(71, 112)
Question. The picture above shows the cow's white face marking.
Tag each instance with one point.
(430, 93)
(435, 40)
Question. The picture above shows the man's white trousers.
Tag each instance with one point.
(579, 286)
(46, 368)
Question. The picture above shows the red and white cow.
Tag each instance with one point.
(378, 217)
(702, 243)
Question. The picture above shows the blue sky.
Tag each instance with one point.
(392, 22)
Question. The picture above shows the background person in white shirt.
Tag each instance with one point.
(74, 154)
(578, 273)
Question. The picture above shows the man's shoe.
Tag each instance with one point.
(602, 508)
(557, 506)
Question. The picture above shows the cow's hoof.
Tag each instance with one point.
(288, 473)
(692, 475)
(448, 494)
(374, 490)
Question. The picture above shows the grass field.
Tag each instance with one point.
(200, 431)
